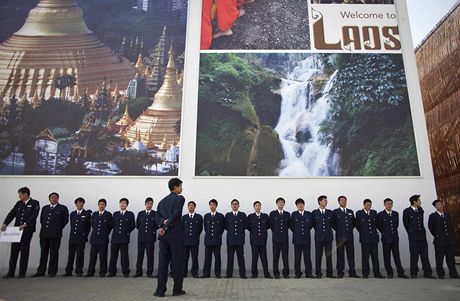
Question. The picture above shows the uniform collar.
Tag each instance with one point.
(440, 213)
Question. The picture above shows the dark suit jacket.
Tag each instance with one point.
(24, 214)
(236, 227)
(170, 208)
(214, 228)
(193, 228)
(442, 230)
(53, 221)
(123, 225)
(413, 222)
(258, 229)
(323, 224)
(146, 226)
(388, 226)
(300, 227)
(279, 224)
(101, 226)
(80, 226)
(344, 224)
(367, 227)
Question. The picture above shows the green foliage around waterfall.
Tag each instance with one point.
(370, 123)
(236, 105)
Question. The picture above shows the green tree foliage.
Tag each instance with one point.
(132, 162)
(370, 123)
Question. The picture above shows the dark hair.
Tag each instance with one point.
(191, 202)
(102, 201)
(321, 197)
(414, 198)
(174, 182)
(387, 200)
(367, 201)
(213, 201)
(124, 200)
(149, 199)
(299, 201)
(235, 200)
(435, 202)
(280, 199)
(342, 196)
(53, 193)
(24, 190)
(256, 202)
(80, 199)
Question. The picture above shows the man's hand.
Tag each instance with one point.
(165, 222)
(21, 227)
(162, 232)
(3, 227)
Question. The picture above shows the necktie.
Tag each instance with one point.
(367, 212)
(148, 212)
(100, 213)
(301, 213)
(78, 213)
(234, 214)
(212, 214)
(442, 215)
(416, 210)
(191, 216)
(389, 214)
(322, 211)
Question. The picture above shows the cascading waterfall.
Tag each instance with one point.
(299, 123)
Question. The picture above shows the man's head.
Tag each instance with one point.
(175, 185)
(322, 201)
(257, 206)
(124, 202)
(79, 203)
(148, 203)
(388, 203)
(101, 204)
(280, 202)
(24, 193)
(191, 206)
(438, 205)
(342, 201)
(367, 204)
(300, 204)
(415, 200)
(235, 205)
(54, 198)
(213, 205)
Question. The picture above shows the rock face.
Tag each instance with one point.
(55, 40)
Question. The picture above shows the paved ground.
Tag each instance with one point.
(269, 24)
(119, 288)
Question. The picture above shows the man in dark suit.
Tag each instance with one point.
(146, 237)
(53, 219)
(171, 236)
(214, 228)
(123, 224)
(279, 224)
(344, 224)
(236, 223)
(440, 226)
(258, 225)
(101, 226)
(323, 222)
(388, 223)
(80, 226)
(418, 246)
(193, 223)
(366, 224)
(25, 213)
(301, 224)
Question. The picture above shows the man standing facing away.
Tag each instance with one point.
(301, 224)
(366, 224)
(258, 225)
(418, 246)
(146, 237)
(101, 226)
(279, 224)
(345, 222)
(171, 236)
(53, 219)
(388, 223)
(236, 225)
(123, 225)
(193, 223)
(25, 213)
(214, 228)
(440, 226)
(80, 226)
(323, 222)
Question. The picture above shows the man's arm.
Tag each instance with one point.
(9, 217)
(177, 211)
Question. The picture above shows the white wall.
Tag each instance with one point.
(136, 189)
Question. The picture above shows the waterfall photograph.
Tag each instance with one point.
(304, 115)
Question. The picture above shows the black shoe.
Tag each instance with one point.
(204, 276)
(331, 276)
(441, 277)
(243, 277)
(21, 276)
(111, 275)
(149, 275)
(79, 275)
(37, 275)
(51, 275)
(195, 276)
(454, 277)
(138, 275)
(268, 276)
(339, 276)
(365, 276)
(217, 276)
(310, 276)
(89, 275)
(354, 276)
(429, 277)
(403, 276)
(126, 275)
(277, 276)
(184, 276)
(103, 275)
(67, 275)
(229, 276)
(254, 276)
(158, 295)
(8, 276)
(297, 276)
(179, 293)
(380, 276)
(318, 276)
(390, 276)
(286, 277)
(413, 276)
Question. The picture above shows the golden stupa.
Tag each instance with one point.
(157, 124)
(55, 40)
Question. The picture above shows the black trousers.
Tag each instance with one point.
(191, 250)
(282, 248)
(325, 246)
(370, 250)
(298, 251)
(171, 253)
(22, 247)
(240, 256)
(256, 252)
(208, 251)
(49, 246)
(79, 250)
(149, 248)
(419, 248)
(448, 252)
(100, 249)
(387, 250)
(123, 249)
(349, 247)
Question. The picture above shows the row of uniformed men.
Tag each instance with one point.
(54, 217)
